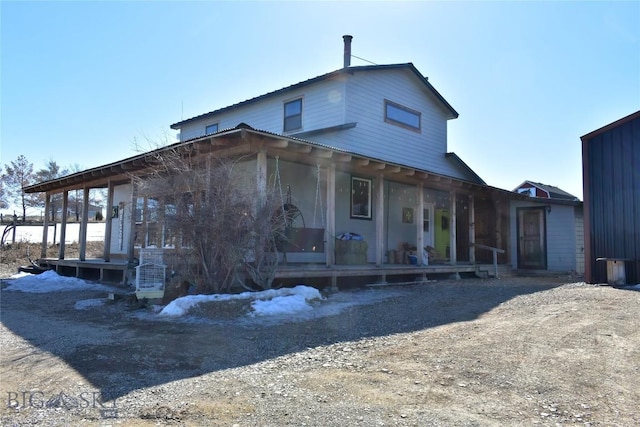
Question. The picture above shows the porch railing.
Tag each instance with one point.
(495, 252)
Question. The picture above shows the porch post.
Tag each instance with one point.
(45, 225)
(452, 226)
(83, 224)
(106, 255)
(420, 224)
(132, 222)
(261, 175)
(63, 224)
(144, 242)
(472, 230)
(499, 240)
(330, 230)
(379, 219)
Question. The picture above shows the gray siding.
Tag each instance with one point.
(357, 97)
(579, 240)
(560, 236)
(611, 175)
(373, 137)
(323, 106)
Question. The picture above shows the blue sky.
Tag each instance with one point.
(83, 82)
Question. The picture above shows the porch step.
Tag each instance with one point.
(487, 271)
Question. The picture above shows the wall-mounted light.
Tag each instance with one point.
(548, 209)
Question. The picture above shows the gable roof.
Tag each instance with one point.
(619, 122)
(348, 70)
(552, 191)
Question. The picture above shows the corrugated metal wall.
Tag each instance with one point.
(611, 172)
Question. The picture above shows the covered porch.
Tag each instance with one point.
(465, 222)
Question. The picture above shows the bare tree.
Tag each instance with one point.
(221, 229)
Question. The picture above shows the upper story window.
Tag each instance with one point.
(401, 116)
(293, 115)
(209, 129)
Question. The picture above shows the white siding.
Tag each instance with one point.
(560, 236)
(322, 106)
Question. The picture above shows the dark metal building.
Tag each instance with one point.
(611, 183)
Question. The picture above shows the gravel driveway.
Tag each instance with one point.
(514, 351)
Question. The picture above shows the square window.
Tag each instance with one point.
(209, 129)
(360, 198)
(293, 115)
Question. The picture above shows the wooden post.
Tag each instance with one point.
(472, 230)
(379, 219)
(144, 238)
(420, 224)
(106, 254)
(453, 256)
(83, 223)
(261, 175)
(132, 222)
(63, 224)
(330, 228)
(499, 239)
(45, 230)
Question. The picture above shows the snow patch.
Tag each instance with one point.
(269, 302)
(49, 281)
(86, 304)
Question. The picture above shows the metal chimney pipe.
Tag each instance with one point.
(347, 50)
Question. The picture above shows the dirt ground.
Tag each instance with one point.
(511, 351)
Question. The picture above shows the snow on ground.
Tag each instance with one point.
(86, 304)
(283, 305)
(272, 301)
(50, 281)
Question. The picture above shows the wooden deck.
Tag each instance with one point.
(116, 271)
(90, 269)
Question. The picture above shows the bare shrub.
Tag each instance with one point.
(219, 227)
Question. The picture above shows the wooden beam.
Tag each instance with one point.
(63, 225)
(379, 219)
(45, 231)
(362, 162)
(132, 221)
(378, 166)
(330, 227)
(303, 149)
(325, 154)
(409, 172)
(472, 230)
(83, 224)
(342, 157)
(106, 254)
(420, 223)
(453, 256)
(281, 143)
(394, 169)
(261, 175)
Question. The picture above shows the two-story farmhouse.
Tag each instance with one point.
(361, 150)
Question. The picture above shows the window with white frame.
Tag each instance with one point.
(212, 128)
(400, 115)
(293, 115)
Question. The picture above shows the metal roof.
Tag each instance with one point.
(349, 70)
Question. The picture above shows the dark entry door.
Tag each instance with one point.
(532, 248)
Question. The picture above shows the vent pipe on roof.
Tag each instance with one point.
(347, 50)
